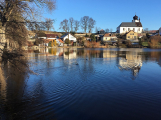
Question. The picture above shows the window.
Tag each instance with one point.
(139, 29)
(134, 37)
(133, 29)
(123, 29)
(128, 36)
(128, 29)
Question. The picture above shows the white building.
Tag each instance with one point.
(71, 37)
(135, 25)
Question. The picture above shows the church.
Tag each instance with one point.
(135, 25)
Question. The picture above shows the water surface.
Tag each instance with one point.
(84, 84)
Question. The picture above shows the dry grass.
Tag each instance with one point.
(91, 44)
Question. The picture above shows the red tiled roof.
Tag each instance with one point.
(108, 35)
(60, 41)
(101, 30)
(51, 35)
(153, 31)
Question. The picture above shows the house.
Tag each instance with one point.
(160, 30)
(70, 36)
(101, 31)
(135, 25)
(41, 36)
(60, 42)
(47, 36)
(131, 35)
(51, 36)
(88, 38)
(108, 37)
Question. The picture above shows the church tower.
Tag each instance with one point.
(135, 19)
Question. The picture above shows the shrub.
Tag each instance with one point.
(93, 38)
(145, 44)
(38, 41)
(91, 44)
(67, 41)
(128, 43)
(86, 35)
(155, 42)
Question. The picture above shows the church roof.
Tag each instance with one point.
(131, 24)
(128, 24)
(138, 24)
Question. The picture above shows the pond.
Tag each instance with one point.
(84, 84)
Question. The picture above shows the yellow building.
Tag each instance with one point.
(131, 35)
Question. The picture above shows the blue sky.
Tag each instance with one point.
(108, 13)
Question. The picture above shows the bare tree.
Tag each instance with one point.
(91, 24)
(84, 23)
(107, 30)
(64, 25)
(146, 30)
(76, 25)
(16, 18)
(99, 28)
(96, 30)
(49, 24)
(71, 22)
(16, 14)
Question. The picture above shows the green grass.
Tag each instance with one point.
(145, 44)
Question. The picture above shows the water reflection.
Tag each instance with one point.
(95, 80)
(126, 59)
(3, 84)
(131, 61)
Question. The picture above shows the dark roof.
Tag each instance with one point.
(51, 35)
(128, 24)
(64, 35)
(138, 24)
(131, 24)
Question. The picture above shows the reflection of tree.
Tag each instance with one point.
(156, 56)
(16, 73)
(2, 84)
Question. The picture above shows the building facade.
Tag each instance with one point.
(131, 35)
(135, 25)
(160, 30)
(71, 37)
(108, 37)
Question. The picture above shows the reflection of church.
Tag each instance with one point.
(131, 61)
